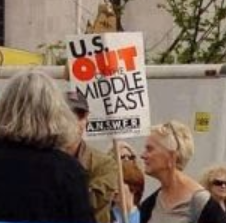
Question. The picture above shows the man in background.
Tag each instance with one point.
(101, 168)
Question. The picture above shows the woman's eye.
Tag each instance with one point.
(149, 148)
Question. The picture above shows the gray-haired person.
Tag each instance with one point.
(38, 181)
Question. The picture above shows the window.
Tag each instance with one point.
(2, 22)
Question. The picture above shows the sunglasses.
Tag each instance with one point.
(128, 157)
(219, 183)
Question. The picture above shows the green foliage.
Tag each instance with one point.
(201, 34)
(54, 53)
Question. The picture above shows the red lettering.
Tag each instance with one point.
(107, 63)
(128, 54)
(83, 69)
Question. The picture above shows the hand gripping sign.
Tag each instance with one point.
(108, 69)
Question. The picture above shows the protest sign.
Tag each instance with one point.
(108, 69)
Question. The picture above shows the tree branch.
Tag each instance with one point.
(156, 44)
(205, 34)
(193, 43)
(219, 21)
(172, 46)
(222, 56)
(208, 5)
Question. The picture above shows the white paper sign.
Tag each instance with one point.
(108, 69)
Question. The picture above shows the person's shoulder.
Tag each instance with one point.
(63, 156)
(150, 200)
(200, 198)
(100, 156)
(205, 209)
(147, 206)
(101, 166)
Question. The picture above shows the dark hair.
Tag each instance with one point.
(77, 101)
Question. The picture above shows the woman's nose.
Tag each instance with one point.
(143, 156)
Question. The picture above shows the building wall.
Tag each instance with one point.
(29, 23)
(2, 21)
(156, 24)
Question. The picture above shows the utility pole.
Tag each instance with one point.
(78, 9)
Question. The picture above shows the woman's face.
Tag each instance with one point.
(218, 187)
(126, 154)
(82, 122)
(156, 158)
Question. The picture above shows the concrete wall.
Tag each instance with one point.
(29, 22)
(154, 23)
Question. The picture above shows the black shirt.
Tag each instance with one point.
(41, 184)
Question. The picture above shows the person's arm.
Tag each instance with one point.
(103, 183)
(104, 174)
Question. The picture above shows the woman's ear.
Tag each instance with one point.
(173, 158)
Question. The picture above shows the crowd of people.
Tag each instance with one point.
(49, 173)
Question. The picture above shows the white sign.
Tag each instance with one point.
(108, 69)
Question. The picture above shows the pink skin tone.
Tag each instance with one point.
(129, 198)
(160, 163)
(81, 128)
(125, 151)
(156, 158)
(82, 124)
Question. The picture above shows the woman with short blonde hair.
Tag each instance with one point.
(39, 182)
(176, 136)
(179, 199)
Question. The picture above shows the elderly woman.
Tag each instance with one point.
(179, 199)
(214, 180)
(38, 181)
